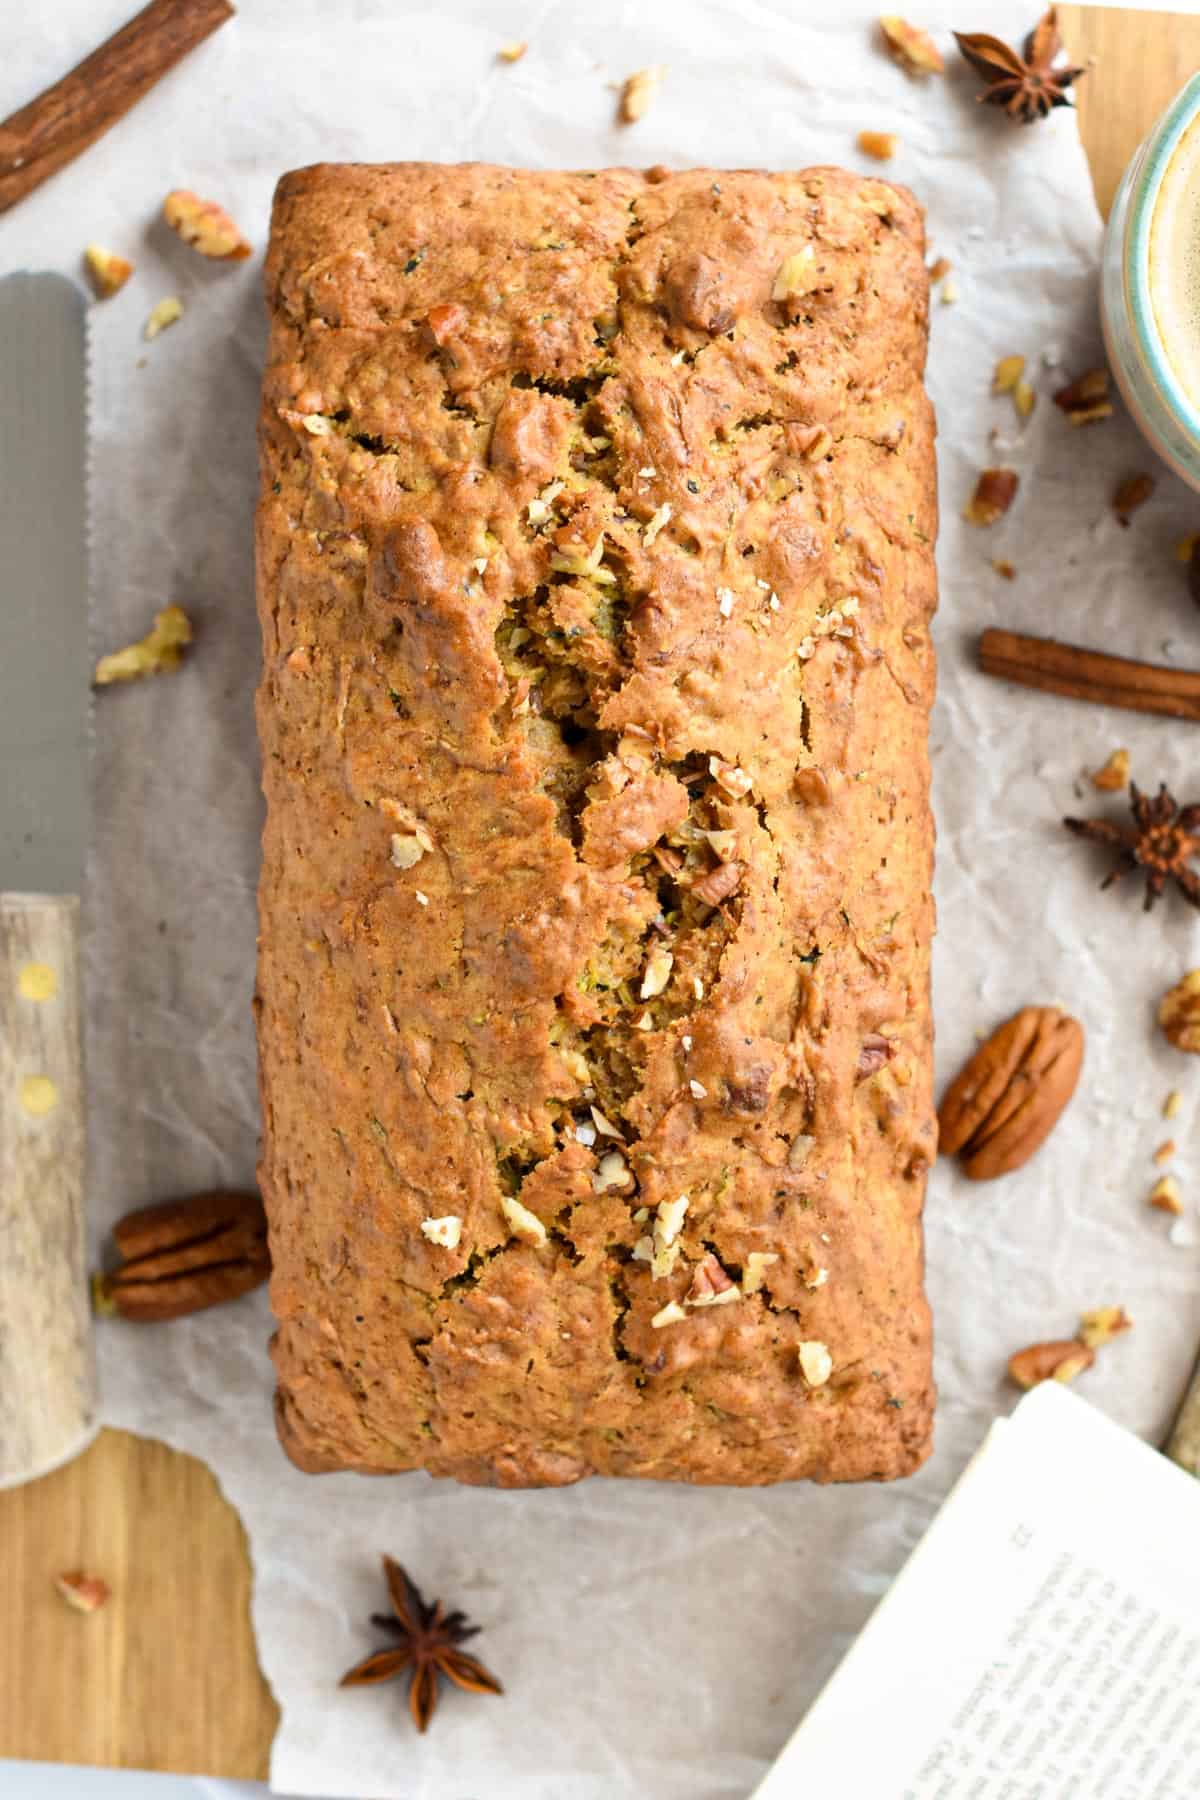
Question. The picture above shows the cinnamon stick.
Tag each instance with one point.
(1090, 675)
(53, 129)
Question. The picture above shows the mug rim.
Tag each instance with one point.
(1183, 112)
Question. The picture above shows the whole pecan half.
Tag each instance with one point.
(1011, 1093)
(183, 1255)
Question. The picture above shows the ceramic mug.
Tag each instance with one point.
(1137, 354)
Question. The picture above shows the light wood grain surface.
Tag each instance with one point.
(166, 1676)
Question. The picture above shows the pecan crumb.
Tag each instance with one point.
(882, 145)
(994, 493)
(1004, 569)
(85, 1593)
(1131, 493)
(159, 652)
(165, 313)
(1114, 775)
(939, 270)
(511, 53)
(912, 47)
(1102, 1325)
(108, 271)
(637, 91)
(1172, 1104)
(1007, 373)
(1165, 1151)
(1024, 399)
(1085, 399)
(206, 226)
(1166, 1196)
(1179, 1013)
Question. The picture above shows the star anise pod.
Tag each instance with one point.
(429, 1646)
(1029, 86)
(1162, 840)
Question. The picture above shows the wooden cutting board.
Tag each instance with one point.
(166, 1677)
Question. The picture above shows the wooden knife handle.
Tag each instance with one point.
(47, 1376)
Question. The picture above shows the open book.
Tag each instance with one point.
(1041, 1643)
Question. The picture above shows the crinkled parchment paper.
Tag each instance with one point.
(653, 1640)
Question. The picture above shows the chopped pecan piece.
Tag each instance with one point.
(1085, 399)
(912, 48)
(204, 225)
(1061, 1360)
(1179, 1013)
(994, 493)
(1131, 493)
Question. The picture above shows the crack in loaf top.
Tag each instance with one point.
(595, 560)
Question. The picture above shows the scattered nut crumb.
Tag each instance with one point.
(605, 1126)
(1085, 399)
(994, 493)
(950, 292)
(445, 1231)
(162, 315)
(725, 598)
(882, 145)
(939, 270)
(1024, 399)
(816, 1364)
(1007, 373)
(107, 271)
(756, 1264)
(1179, 1013)
(1172, 1104)
(1165, 1195)
(697, 1090)
(1131, 493)
(1114, 776)
(1059, 1361)
(637, 91)
(1165, 1151)
(420, 898)
(158, 653)
(912, 48)
(697, 987)
(204, 225)
(511, 53)
(1102, 1325)
(1004, 569)
(86, 1593)
(523, 1223)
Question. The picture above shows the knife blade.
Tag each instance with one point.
(47, 1389)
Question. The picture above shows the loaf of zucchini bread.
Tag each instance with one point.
(595, 570)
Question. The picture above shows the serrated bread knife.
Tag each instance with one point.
(47, 1384)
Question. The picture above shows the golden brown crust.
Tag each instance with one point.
(499, 716)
